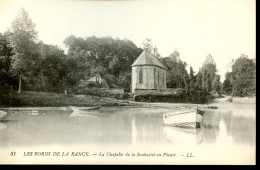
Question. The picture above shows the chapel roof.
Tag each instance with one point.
(147, 58)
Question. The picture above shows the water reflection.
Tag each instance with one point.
(88, 114)
(184, 136)
(230, 127)
(134, 131)
(124, 126)
(223, 137)
(2, 126)
(95, 113)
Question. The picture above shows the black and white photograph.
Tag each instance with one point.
(130, 82)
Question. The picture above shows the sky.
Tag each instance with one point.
(223, 28)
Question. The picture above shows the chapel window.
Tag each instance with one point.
(158, 78)
(140, 76)
(162, 79)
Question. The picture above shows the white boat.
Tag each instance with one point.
(35, 112)
(82, 109)
(90, 112)
(190, 117)
(177, 135)
(2, 114)
(77, 114)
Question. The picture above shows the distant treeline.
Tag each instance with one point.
(30, 64)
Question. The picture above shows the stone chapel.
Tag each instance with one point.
(148, 73)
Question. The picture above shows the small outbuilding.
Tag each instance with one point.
(93, 83)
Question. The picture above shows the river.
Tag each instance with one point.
(226, 137)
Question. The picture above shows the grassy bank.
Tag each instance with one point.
(42, 99)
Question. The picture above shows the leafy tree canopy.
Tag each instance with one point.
(244, 76)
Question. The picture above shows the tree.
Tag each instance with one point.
(217, 84)
(210, 65)
(199, 82)
(208, 83)
(23, 42)
(227, 84)
(191, 73)
(244, 76)
(71, 75)
(51, 68)
(192, 78)
(208, 73)
(175, 55)
(204, 80)
(5, 57)
(177, 76)
(5, 52)
(55, 72)
(125, 80)
(111, 58)
(147, 46)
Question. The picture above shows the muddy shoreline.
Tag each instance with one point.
(216, 104)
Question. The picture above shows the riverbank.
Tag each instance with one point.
(63, 101)
(42, 99)
(223, 103)
(227, 102)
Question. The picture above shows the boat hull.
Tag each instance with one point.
(35, 113)
(90, 112)
(191, 118)
(85, 108)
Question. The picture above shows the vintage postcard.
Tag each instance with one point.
(169, 82)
